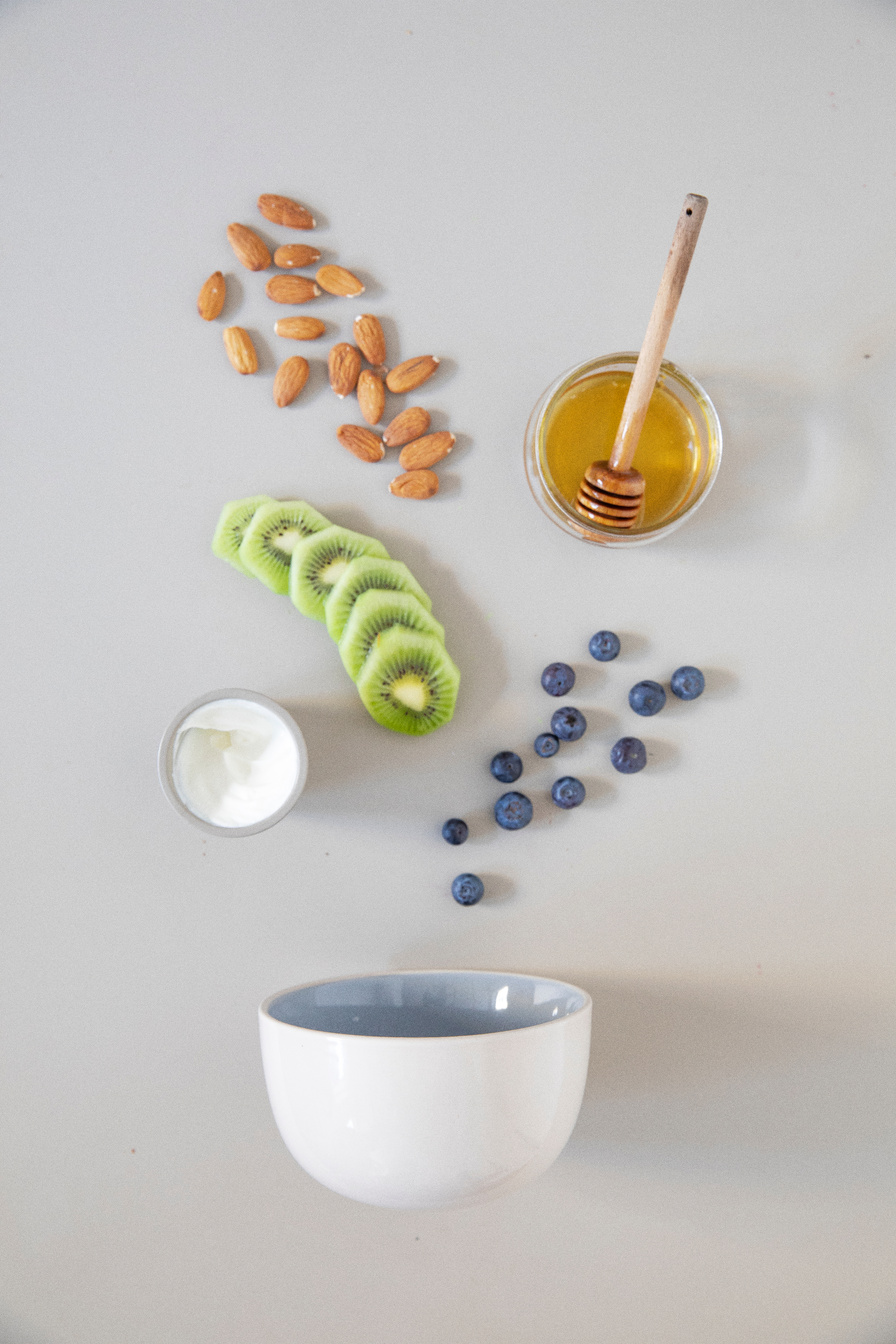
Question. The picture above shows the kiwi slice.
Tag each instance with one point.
(235, 518)
(319, 562)
(376, 611)
(272, 536)
(363, 573)
(409, 682)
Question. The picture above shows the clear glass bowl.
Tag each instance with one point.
(706, 455)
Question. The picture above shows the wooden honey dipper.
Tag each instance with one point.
(612, 492)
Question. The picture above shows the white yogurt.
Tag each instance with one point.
(235, 763)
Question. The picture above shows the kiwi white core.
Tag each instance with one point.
(287, 541)
(333, 572)
(235, 763)
(411, 691)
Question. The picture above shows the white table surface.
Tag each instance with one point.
(507, 178)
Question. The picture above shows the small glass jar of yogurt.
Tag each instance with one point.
(233, 762)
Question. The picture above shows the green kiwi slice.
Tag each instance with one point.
(363, 573)
(235, 518)
(409, 682)
(318, 563)
(272, 536)
(376, 611)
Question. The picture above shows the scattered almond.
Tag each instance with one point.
(300, 328)
(337, 280)
(362, 442)
(370, 338)
(251, 250)
(212, 296)
(415, 485)
(344, 365)
(371, 396)
(405, 377)
(296, 254)
(240, 350)
(291, 289)
(408, 425)
(426, 452)
(291, 377)
(282, 210)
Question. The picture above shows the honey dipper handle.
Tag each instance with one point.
(647, 368)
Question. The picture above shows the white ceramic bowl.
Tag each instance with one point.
(422, 1089)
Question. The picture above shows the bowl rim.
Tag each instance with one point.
(166, 761)
(265, 1014)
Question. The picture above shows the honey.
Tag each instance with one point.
(579, 428)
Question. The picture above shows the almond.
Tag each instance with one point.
(300, 328)
(371, 397)
(291, 289)
(369, 335)
(296, 254)
(362, 442)
(212, 296)
(251, 250)
(410, 424)
(405, 377)
(415, 485)
(291, 377)
(281, 210)
(344, 365)
(240, 350)
(337, 280)
(426, 452)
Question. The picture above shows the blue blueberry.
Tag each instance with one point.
(647, 697)
(513, 811)
(568, 792)
(467, 889)
(546, 744)
(558, 679)
(628, 755)
(568, 724)
(604, 646)
(687, 683)
(506, 767)
(455, 831)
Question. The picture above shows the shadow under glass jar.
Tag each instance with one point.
(574, 424)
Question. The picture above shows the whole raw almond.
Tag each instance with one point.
(369, 335)
(291, 377)
(296, 254)
(337, 280)
(408, 425)
(240, 350)
(251, 250)
(415, 485)
(371, 396)
(405, 377)
(300, 328)
(291, 289)
(426, 452)
(362, 442)
(343, 366)
(212, 296)
(282, 210)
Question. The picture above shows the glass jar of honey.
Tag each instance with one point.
(574, 424)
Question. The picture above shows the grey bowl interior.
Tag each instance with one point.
(426, 1003)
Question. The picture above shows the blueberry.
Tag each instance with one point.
(558, 679)
(647, 697)
(629, 755)
(546, 744)
(568, 724)
(687, 683)
(604, 646)
(506, 767)
(467, 889)
(513, 811)
(568, 792)
(455, 831)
